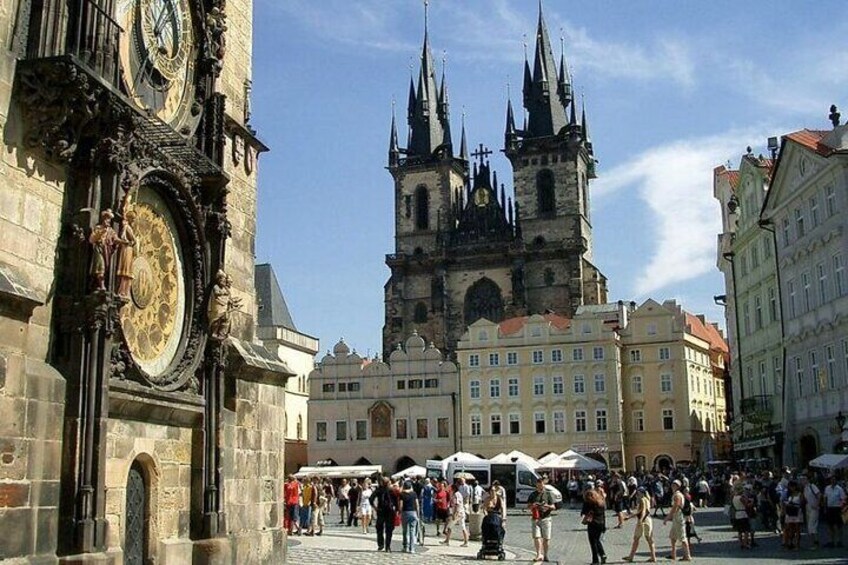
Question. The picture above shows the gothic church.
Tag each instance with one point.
(463, 249)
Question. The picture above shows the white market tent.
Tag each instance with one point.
(414, 471)
(462, 456)
(549, 458)
(573, 461)
(514, 456)
(830, 461)
(339, 471)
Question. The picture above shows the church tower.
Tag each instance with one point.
(463, 250)
(553, 161)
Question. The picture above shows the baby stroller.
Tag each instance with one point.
(492, 533)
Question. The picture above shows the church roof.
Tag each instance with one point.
(513, 325)
(272, 307)
(697, 326)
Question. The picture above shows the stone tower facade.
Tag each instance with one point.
(463, 249)
(141, 421)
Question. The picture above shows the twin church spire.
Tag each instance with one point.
(548, 99)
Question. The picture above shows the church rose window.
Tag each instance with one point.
(483, 300)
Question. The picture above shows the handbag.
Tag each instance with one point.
(397, 519)
(588, 518)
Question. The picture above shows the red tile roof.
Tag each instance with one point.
(732, 176)
(811, 139)
(514, 325)
(706, 332)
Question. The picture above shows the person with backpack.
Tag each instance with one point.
(386, 504)
(677, 534)
(689, 517)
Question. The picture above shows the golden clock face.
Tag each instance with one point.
(481, 197)
(152, 320)
(158, 56)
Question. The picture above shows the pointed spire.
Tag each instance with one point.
(444, 106)
(564, 83)
(547, 113)
(463, 147)
(410, 113)
(394, 150)
(585, 125)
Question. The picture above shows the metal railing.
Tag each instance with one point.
(761, 404)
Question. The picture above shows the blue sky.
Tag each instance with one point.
(672, 88)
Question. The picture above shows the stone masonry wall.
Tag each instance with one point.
(254, 471)
(165, 453)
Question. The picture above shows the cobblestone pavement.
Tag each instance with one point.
(340, 545)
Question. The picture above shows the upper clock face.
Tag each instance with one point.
(158, 56)
(153, 319)
(481, 197)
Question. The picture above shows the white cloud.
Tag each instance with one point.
(675, 181)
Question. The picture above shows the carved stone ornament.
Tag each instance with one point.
(59, 102)
(250, 160)
(221, 305)
(238, 148)
(216, 28)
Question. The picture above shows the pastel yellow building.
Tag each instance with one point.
(544, 384)
(673, 387)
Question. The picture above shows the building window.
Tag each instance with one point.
(577, 354)
(361, 430)
(758, 313)
(538, 357)
(545, 192)
(601, 419)
(420, 315)
(514, 424)
(600, 384)
(422, 428)
(349, 387)
(746, 319)
(799, 376)
(556, 356)
(558, 386)
(495, 424)
(474, 389)
(341, 431)
(400, 384)
(512, 387)
(763, 381)
(579, 384)
(814, 211)
(587, 328)
(829, 201)
(821, 272)
(766, 247)
(474, 360)
(799, 223)
(638, 420)
(598, 353)
(814, 370)
(790, 298)
(635, 355)
(422, 208)
(652, 329)
(845, 365)
(328, 387)
(443, 425)
(665, 383)
(431, 383)
(785, 229)
(512, 358)
(416, 384)
(538, 385)
(668, 419)
(636, 384)
(805, 283)
(476, 425)
(400, 428)
(772, 299)
(494, 359)
(830, 359)
(839, 276)
(483, 335)
(495, 388)
(539, 422)
(665, 354)
(579, 420)
(559, 422)
(320, 431)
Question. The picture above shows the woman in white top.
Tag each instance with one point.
(365, 505)
(793, 517)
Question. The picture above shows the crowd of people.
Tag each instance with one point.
(789, 504)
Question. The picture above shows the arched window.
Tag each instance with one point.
(483, 300)
(422, 208)
(420, 316)
(545, 192)
(300, 426)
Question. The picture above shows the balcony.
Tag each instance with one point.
(757, 409)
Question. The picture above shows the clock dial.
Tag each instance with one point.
(152, 320)
(158, 56)
(481, 197)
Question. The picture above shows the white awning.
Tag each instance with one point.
(830, 461)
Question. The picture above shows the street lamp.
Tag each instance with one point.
(842, 446)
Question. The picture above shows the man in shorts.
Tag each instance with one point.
(541, 504)
(644, 525)
(835, 499)
(677, 534)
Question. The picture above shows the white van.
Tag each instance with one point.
(517, 478)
